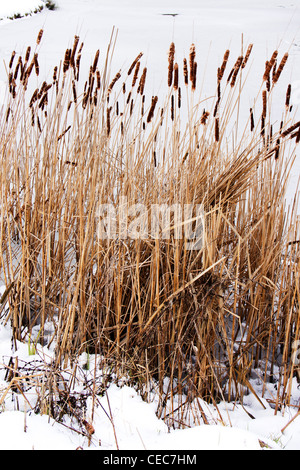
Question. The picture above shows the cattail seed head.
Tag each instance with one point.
(95, 61)
(40, 35)
(12, 59)
(194, 76)
(134, 63)
(288, 96)
(141, 86)
(136, 73)
(36, 64)
(176, 76)
(112, 84)
(264, 98)
(251, 120)
(204, 117)
(221, 70)
(280, 68)
(248, 52)
(217, 130)
(185, 72)
(192, 60)
(236, 70)
(152, 108)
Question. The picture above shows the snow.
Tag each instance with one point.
(121, 418)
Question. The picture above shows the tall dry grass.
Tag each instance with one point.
(207, 319)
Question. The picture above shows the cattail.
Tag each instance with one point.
(34, 97)
(128, 97)
(36, 64)
(290, 129)
(27, 55)
(12, 59)
(171, 63)
(98, 77)
(152, 108)
(134, 63)
(175, 76)
(204, 117)
(251, 120)
(74, 48)
(288, 96)
(217, 130)
(40, 35)
(192, 60)
(28, 73)
(236, 70)
(7, 114)
(74, 91)
(136, 73)
(264, 98)
(185, 72)
(221, 70)
(179, 97)
(247, 56)
(194, 76)
(124, 88)
(172, 107)
(268, 68)
(32, 117)
(142, 82)
(263, 126)
(64, 133)
(112, 84)
(280, 68)
(131, 107)
(273, 58)
(67, 58)
(39, 124)
(108, 111)
(16, 70)
(54, 78)
(95, 61)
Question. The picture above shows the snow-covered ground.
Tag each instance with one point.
(150, 26)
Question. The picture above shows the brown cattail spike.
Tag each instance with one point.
(152, 108)
(251, 120)
(280, 68)
(217, 130)
(192, 60)
(194, 76)
(204, 117)
(185, 72)
(176, 76)
(171, 63)
(40, 35)
(134, 63)
(95, 61)
(221, 70)
(136, 73)
(36, 64)
(236, 70)
(247, 56)
(141, 86)
(112, 84)
(264, 98)
(12, 59)
(288, 96)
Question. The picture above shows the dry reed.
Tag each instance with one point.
(207, 318)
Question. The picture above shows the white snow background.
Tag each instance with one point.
(149, 26)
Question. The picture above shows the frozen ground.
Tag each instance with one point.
(150, 26)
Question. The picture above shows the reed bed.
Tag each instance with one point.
(203, 320)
